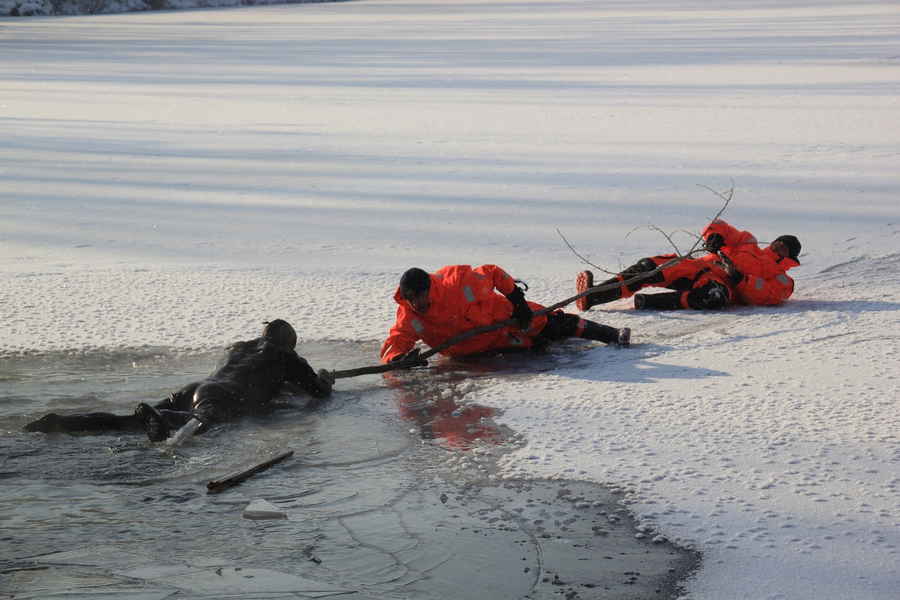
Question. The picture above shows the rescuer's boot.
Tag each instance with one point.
(663, 301)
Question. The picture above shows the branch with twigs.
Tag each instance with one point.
(659, 230)
(583, 259)
(668, 237)
(726, 198)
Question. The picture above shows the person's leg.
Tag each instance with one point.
(161, 419)
(585, 281)
(562, 325)
(84, 423)
(710, 294)
(209, 403)
(695, 284)
(215, 403)
(663, 301)
(152, 422)
(160, 423)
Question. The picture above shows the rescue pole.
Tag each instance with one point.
(456, 339)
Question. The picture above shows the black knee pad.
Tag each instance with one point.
(712, 296)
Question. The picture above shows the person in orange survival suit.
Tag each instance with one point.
(757, 275)
(710, 282)
(435, 307)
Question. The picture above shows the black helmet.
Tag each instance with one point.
(414, 282)
(280, 333)
(792, 243)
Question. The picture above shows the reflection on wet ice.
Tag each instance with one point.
(442, 407)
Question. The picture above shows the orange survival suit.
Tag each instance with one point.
(762, 277)
(461, 298)
(755, 276)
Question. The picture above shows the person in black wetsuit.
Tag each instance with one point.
(253, 374)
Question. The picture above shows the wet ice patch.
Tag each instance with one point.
(232, 580)
(369, 508)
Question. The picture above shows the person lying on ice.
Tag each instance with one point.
(736, 270)
(435, 307)
(253, 374)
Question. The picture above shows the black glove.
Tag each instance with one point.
(714, 243)
(522, 313)
(412, 357)
(326, 381)
(733, 274)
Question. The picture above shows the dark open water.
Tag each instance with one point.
(372, 508)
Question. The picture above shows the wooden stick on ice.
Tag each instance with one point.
(217, 485)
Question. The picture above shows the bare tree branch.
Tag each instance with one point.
(691, 234)
(727, 198)
(583, 259)
(668, 237)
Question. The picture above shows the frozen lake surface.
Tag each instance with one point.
(391, 493)
(171, 179)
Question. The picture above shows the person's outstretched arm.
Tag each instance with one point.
(299, 371)
(403, 335)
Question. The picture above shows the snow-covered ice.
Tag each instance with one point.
(173, 179)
